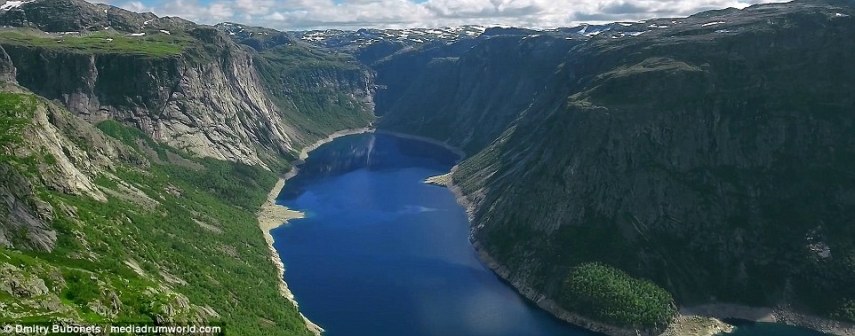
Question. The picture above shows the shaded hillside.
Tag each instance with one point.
(709, 154)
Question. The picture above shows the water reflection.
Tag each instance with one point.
(371, 151)
(382, 253)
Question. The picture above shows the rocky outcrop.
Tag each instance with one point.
(66, 166)
(7, 70)
(210, 109)
(74, 16)
(214, 97)
(24, 221)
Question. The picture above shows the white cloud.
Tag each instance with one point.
(136, 6)
(314, 14)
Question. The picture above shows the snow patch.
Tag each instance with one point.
(840, 15)
(723, 31)
(137, 34)
(13, 4)
(165, 32)
(712, 23)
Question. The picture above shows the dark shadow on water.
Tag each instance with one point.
(371, 151)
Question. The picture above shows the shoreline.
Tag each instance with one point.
(779, 314)
(702, 320)
(694, 325)
(457, 151)
(271, 216)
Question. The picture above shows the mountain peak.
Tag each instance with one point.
(73, 16)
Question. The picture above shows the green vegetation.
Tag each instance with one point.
(177, 240)
(154, 45)
(132, 137)
(16, 111)
(303, 56)
(292, 72)
(204, 231)
(610, 295)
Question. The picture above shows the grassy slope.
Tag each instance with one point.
(155, 45)
(193, 234)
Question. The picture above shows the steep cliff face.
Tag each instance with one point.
(491, 83)
(208, 102)
(324, 92)
(192, 87)
(710, 156)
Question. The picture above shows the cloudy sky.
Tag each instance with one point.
(351, 14)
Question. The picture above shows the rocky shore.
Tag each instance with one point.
(779, 314)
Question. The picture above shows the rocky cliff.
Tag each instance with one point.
(191, 87)
(134, 151)
(709, 154)
(493, 81)
(106, 225)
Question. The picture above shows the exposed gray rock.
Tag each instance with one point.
(7, 70)
(14, 282)
(210, 101)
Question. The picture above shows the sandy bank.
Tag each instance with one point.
(692, 325)
(272, 215)
(779, 314)
(439, 180)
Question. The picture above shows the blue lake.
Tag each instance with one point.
(382, 253)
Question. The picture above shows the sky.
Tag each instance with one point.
(354, 14)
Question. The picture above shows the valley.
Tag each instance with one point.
(622, 177)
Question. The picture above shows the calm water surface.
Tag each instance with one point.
(381, 253)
